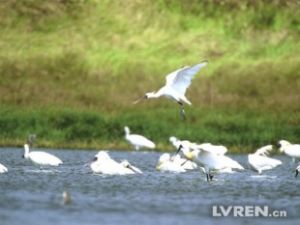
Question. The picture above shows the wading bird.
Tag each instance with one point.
(176, 85)
(292, 150)
(209, 161)
(138, 141)
(39, 157)
(3, 169)
(103, 163)
(260, 161)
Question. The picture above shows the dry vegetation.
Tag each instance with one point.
(90, 59)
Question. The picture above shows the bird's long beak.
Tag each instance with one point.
(297, 172)
(140, 99)
(179, 149)
(134, 169)
(184, 162)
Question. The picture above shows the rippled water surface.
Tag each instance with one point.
(32, 195)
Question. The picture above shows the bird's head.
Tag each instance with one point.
(145, 97)
(187, 153)
(101, 155)
(127, 130)
(173, 139)
(127, 165)
(149, 95)
(282, 144)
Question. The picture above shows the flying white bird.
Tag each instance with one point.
(260, 161)
(41, 158)
(138, 141)
(176, 85)
(3, 169)
(292, 150)
(104, 164)
(297, 171)
(209, 160)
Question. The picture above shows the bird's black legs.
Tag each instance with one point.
(209, 176)
(182, 112)
(296, 173)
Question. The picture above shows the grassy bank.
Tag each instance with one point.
(71, 69)
(241, 131)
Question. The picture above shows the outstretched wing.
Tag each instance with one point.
(216, 149)
(181, 79)
(264, 151)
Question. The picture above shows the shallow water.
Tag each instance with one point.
(33, 195)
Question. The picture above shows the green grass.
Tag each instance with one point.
(241, 131)
(71, 69)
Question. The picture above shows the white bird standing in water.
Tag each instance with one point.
(292, 150)
(176, 85)
(260, 161)
(138, 141)
(41, 158)
(209, 161)
(3, 169)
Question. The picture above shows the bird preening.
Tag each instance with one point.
(176, 85)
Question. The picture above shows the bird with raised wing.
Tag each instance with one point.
(292, 150)
(209, 161)
(176, 85)
(260, 160)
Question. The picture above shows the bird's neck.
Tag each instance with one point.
(26, 150)
(154, 94)
(127, 131)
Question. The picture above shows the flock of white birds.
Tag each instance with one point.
(209, 158)
(189, 156)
